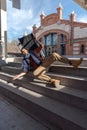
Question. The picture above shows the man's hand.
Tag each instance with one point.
(19, 75)
(15, 77)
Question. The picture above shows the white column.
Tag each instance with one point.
(3, 27)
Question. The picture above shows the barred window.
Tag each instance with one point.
(82, 49)
(51, 39)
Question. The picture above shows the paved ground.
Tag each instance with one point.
(11, 118)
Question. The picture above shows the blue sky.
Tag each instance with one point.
(21, 21)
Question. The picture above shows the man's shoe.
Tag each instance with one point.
(54, 82)
(76, 63)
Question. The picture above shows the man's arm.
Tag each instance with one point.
(37, 50)
(19, 75)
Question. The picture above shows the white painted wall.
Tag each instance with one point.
(80, 32)
(54, 26)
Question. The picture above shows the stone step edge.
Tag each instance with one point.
(67, 66)
(69, 71)
(53, 65)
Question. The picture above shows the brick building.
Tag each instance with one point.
(67, 37)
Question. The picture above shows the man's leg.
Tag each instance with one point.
(43, 76)
(56, 57)
(40, 72)
(49, 60)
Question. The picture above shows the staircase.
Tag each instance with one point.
(60, 108)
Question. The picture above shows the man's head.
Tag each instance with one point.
(24, 51)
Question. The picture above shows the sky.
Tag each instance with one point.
(21, 21)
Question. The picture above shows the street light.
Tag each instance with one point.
(82, 3)
(16, 4)
(86, 3)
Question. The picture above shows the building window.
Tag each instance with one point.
(82, 49)
(51, 39)
(62, 39)
(62, 44)
(62, 49)
(48, 39)
(55, 39)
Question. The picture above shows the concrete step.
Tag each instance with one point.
(68, 95)
(70, 81)
(83, 64)
(59, 69)
(14, 64)
(62, 69)
(10, 69)
(12, 118)
(59, 114)
(77, 80)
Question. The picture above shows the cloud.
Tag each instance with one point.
(19, 21)
(82, 19)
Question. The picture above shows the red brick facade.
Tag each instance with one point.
(67, 37)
